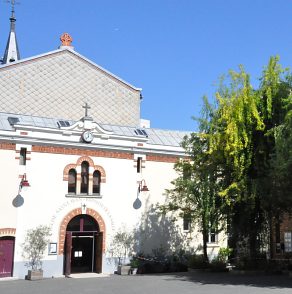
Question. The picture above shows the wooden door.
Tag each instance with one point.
(98, 252)
(68, 248)
(6, 258)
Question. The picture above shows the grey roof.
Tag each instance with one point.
(155, 136)
(58, 83)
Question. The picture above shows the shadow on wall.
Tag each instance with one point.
(18, 201)
(158, 233)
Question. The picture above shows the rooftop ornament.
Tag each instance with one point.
(66, 40)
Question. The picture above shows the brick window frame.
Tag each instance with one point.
(92, 169)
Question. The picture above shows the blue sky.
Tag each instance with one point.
(175, 50)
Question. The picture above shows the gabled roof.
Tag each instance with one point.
(70, 51)
(58, 83)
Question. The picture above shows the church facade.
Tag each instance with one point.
(75, 157)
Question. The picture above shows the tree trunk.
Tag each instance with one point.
(205, 241)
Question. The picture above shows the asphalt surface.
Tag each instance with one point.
(179, 283)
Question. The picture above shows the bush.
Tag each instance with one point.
(135, 263)
(34, 245)
(218, 265)
(197, 261)
(166, 264)
(224, 253)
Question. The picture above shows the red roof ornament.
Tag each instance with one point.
(66, 39)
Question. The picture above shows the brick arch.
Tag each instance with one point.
(102, 172)
(71, 215)
(85, 158)
(66, 171)
(7, 232)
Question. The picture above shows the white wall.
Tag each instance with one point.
(45, 202)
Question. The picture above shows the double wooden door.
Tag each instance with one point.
(83, 252)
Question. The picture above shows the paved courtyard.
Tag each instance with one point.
(180, 283)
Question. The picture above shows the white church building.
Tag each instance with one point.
(76, 156)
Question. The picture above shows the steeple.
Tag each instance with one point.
(11, 52)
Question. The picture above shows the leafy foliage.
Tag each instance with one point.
(240, 162)
(35, 243)
(248, 140)
(121, 245)
(195, 190)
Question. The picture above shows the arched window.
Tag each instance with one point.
(84, 177)
(72, 177)
(96, 182)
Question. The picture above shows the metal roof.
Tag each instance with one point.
(155, 136)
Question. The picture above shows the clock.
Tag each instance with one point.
(87, 136)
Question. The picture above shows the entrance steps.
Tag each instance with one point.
(88, 275)
(8, 279)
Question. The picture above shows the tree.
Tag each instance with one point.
(194, 195)
(121, 245)
(248, 141)
(240, 162)
(34, 245)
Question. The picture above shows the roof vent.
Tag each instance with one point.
(13, 120)
(141, 132)
(63, 123)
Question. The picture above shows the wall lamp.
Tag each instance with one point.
(142, 186)
(23, 183)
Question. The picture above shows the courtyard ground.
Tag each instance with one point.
(179, 283)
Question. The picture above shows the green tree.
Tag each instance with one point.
(194, 195)
(34, 245)
(240, 161)
(245, 124)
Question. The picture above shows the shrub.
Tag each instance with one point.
(121, 245)
(34, 245)
(224, 253)
(197, 261)
(217, 265)
(135, 263)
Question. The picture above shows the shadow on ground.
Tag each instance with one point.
(254, 280)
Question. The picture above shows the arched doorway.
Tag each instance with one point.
(6, 256)
(83, 245)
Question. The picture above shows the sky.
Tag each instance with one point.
(175, 50)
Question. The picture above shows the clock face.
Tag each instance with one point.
(87, 136)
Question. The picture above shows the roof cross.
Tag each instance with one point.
(13, 3)
(86, 107)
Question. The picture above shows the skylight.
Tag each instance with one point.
(13, 120)
(63, 123)
(141, 132)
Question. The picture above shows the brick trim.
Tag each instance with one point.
(82, 152)
(7, 232)
(66, 171)
(85, 158)
(99, 153)
(7, 146)
(79, 162)
(102, 173)
(71, 215)
(162, 158)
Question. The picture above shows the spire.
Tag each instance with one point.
(11, 52)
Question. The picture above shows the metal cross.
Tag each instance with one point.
(86, 107)
(13, 3)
